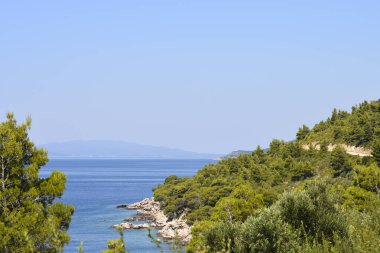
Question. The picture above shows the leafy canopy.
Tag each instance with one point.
(30, 219)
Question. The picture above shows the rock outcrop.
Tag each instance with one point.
(176, 228)
(352, 150)
(127, 225)
(150, 211)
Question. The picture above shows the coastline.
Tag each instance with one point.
(150, 213)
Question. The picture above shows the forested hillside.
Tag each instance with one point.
(360, 128)
(288, 199)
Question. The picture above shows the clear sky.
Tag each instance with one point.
(201, 75)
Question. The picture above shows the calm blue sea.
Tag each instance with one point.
(96, 186)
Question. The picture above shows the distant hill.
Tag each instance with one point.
(119, 149)
(237, 153)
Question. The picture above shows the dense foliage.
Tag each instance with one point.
(361, 127)
(288, 199)
(30, 219)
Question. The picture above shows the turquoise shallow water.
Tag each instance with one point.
(96, 186)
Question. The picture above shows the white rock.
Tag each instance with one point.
(150, 210)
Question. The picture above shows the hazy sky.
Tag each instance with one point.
(202, 75)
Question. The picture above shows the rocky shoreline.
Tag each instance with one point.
(149, 211)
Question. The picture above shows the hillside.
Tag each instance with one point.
(311, 198)
(360, 127)
(118, 149)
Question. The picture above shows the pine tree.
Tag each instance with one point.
(376, 152)
(302, 132)
(30, 220)
(339, 161)
(334, 115)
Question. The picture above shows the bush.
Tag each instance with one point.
(313, 212)
(360, 199)
(266, 232)
(222, 237)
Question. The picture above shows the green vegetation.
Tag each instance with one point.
(359, 128)
(116, 245)
(30, 219)
(288, 199)
(376, 152)
(234, 188)
(284, 199)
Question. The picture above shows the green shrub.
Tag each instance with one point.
(266, 232)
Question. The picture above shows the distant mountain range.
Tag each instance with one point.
(119, 149)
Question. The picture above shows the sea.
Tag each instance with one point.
(96, 186)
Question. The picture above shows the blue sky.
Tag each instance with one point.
(202, 75)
